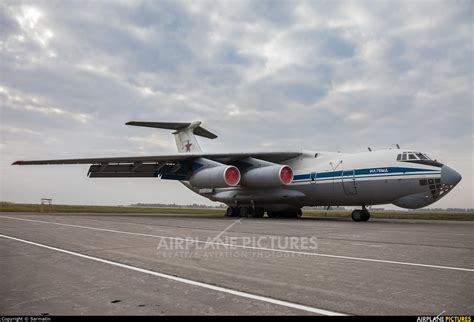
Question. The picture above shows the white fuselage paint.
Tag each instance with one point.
(343, 179)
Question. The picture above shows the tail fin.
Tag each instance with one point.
(184, 133)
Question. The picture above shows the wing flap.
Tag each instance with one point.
(165, 170)
(120, 175)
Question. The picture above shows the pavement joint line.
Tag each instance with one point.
(253, 247)
(185, 280)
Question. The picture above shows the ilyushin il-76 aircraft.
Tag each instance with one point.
(281, 183)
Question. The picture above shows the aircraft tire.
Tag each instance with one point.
(366, 216)
(258, 212)
(299, 213)
(294, 213)
(244, 212)
(272, 214)
(232, 212)
(357, 215)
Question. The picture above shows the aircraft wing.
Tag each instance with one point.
(167, 166)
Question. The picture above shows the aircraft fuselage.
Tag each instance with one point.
(349, 179)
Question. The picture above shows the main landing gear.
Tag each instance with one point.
(360, 214)
(293, 213)
(259, 212)
(253, 212)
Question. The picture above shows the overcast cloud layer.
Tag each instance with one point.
(318, 75)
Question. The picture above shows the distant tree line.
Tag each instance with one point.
(447, 209)
(325, 208)
(173, 205)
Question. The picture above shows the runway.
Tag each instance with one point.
(191, 264)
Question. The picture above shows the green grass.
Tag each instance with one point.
(16, 207)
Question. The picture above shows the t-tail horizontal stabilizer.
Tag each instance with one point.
(184, 133)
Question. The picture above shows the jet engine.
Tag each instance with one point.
(268, 176)
(216, 177)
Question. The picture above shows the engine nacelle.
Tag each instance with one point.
(216, 177)
(270, 176)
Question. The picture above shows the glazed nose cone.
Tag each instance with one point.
(449, 176)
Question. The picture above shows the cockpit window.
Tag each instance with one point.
(417, 157)
(412, 156)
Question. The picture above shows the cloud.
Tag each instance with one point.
(276, 74)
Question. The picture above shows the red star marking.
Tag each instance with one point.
(188, 146)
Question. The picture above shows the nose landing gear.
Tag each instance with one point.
(360, 214)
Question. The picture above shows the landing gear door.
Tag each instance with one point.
(348, 182)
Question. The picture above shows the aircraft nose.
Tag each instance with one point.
(449, 176)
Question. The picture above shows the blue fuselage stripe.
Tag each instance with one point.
(364, 173)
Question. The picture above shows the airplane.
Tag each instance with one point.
(281, 183)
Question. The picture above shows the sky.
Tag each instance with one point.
(272, 75)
